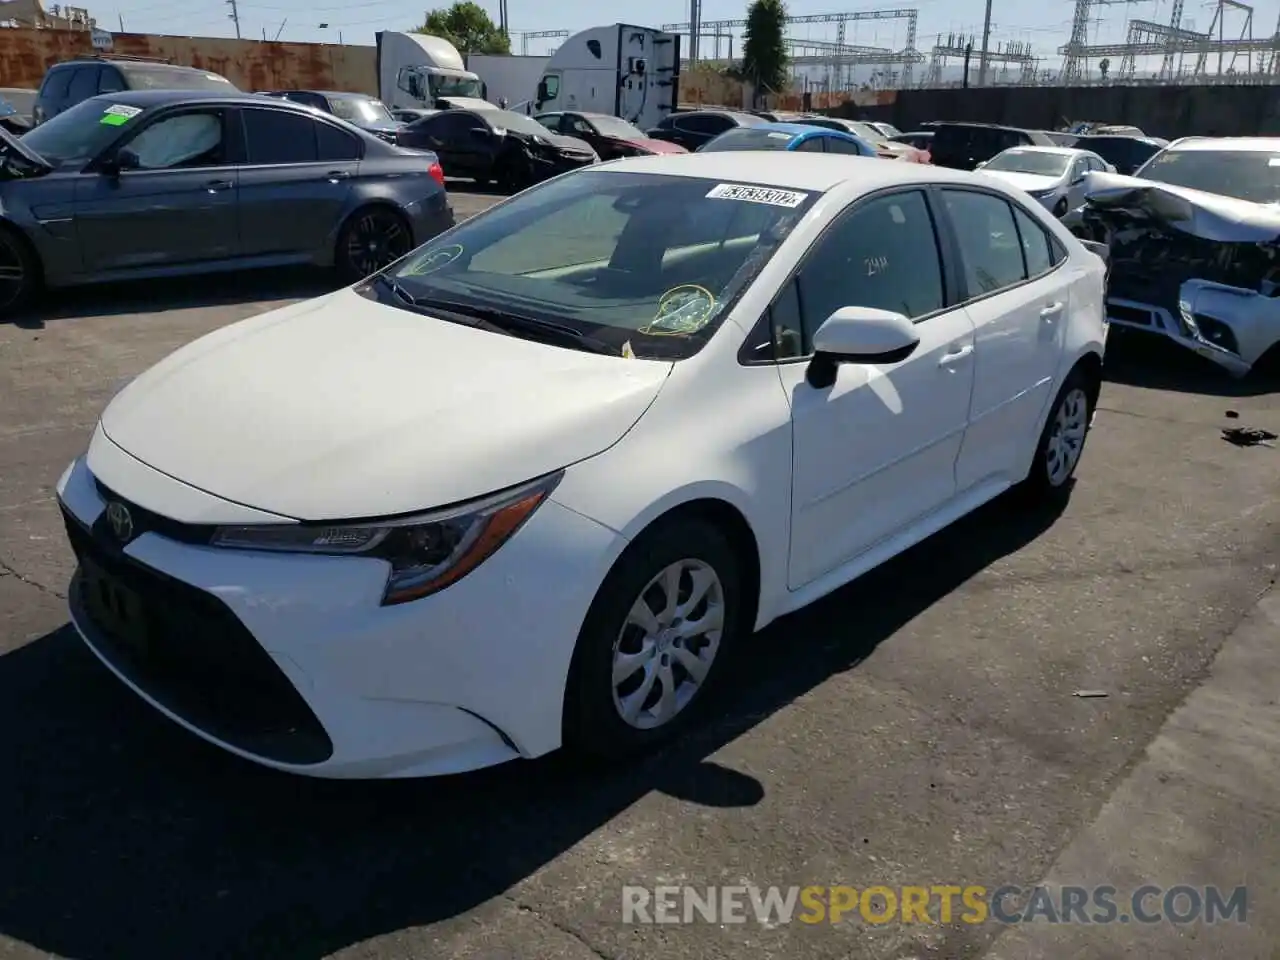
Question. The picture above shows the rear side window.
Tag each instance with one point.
(335, 144)
(57, 83)
(989, 241)
(277, 136)
(1037, 245)
(84, 83)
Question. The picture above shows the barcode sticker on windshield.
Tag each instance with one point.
(774, 198)
(121, 110)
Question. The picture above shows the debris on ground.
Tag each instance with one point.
(1091, 694)
(1249, 437)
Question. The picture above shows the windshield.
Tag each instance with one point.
(514, 121)
(153, 78)
(360, 110)
(647, 264)
(749, 138)
(1244, 174)
(1028, 161)
(442, 86)
(616, 127)
(80, 133)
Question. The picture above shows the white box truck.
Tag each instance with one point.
(623, 70)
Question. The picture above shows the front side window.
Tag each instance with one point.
(883, 254)
(551, 85)
(989, 243)
(110, 81)
(812, 145)
(187, 140)
(840, 145)
(57, 83)
(647, 264)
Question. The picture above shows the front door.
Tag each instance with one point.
(295, 181)
(877, 450)
(179, 207)
(1016, 294)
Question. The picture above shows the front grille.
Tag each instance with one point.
(188, 651)
(147, 521)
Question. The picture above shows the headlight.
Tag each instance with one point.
(427, 552)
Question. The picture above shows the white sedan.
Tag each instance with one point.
(1055, 176)
(529, 486)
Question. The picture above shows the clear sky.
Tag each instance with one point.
(1045, 24)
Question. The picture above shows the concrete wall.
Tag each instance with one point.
(1160, 111)
(249, 64)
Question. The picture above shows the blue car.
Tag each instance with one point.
(790, 136)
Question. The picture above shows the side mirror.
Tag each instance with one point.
(125, 159)
(859, 335)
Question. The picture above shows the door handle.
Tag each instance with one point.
(336, 175)
(213, 186)
(1051, 311)
(955, 356)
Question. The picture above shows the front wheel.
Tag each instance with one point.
(1062, 442)
(19, 273)
(653, 641)
(369, 241)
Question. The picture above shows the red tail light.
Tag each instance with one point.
(437, 173)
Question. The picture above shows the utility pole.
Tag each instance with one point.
(986, 48)
(235, 16)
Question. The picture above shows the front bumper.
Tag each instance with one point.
(1201, 304)
(289, 660)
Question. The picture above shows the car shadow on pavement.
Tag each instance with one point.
(122, 836)
(1144, 360)
(185, 293)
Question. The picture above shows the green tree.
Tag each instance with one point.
(467, 27)
(764, 50)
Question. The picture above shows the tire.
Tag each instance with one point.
(594, 724)
(514, 173)
(19, 273)
(371, 238)
(1062, 442)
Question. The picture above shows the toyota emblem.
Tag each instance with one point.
(121, 521)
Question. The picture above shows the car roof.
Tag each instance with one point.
(1039, 148)
(799, 129)
(1243, 144)
(128, 62)
(145, 99)
(802, 171)
(979, 124)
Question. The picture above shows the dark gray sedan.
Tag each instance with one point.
(163, 183)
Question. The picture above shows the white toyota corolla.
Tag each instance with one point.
(529, 485)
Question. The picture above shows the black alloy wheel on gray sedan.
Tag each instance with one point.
(371, 240)
(19, 272)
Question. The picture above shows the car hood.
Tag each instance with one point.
(385, 126)
(13, 144)
(1030, 182)
(571, 144)
(1210, 216)
(342, 407)
(653, 146)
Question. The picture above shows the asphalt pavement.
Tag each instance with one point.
(919, 727)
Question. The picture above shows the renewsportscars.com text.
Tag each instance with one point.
(939, 903)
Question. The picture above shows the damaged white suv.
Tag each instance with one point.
(1194, 239)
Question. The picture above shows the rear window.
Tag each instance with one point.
(750, 138)
(56, 83)
(157, 78)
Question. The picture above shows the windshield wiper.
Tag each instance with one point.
(502, 321)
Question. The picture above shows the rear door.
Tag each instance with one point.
(179, 208)
(1016, 295)
(295, 181)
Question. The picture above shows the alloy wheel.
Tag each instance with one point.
(1066, 437)
(13, 273)
(377, 239)
(667, 644)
